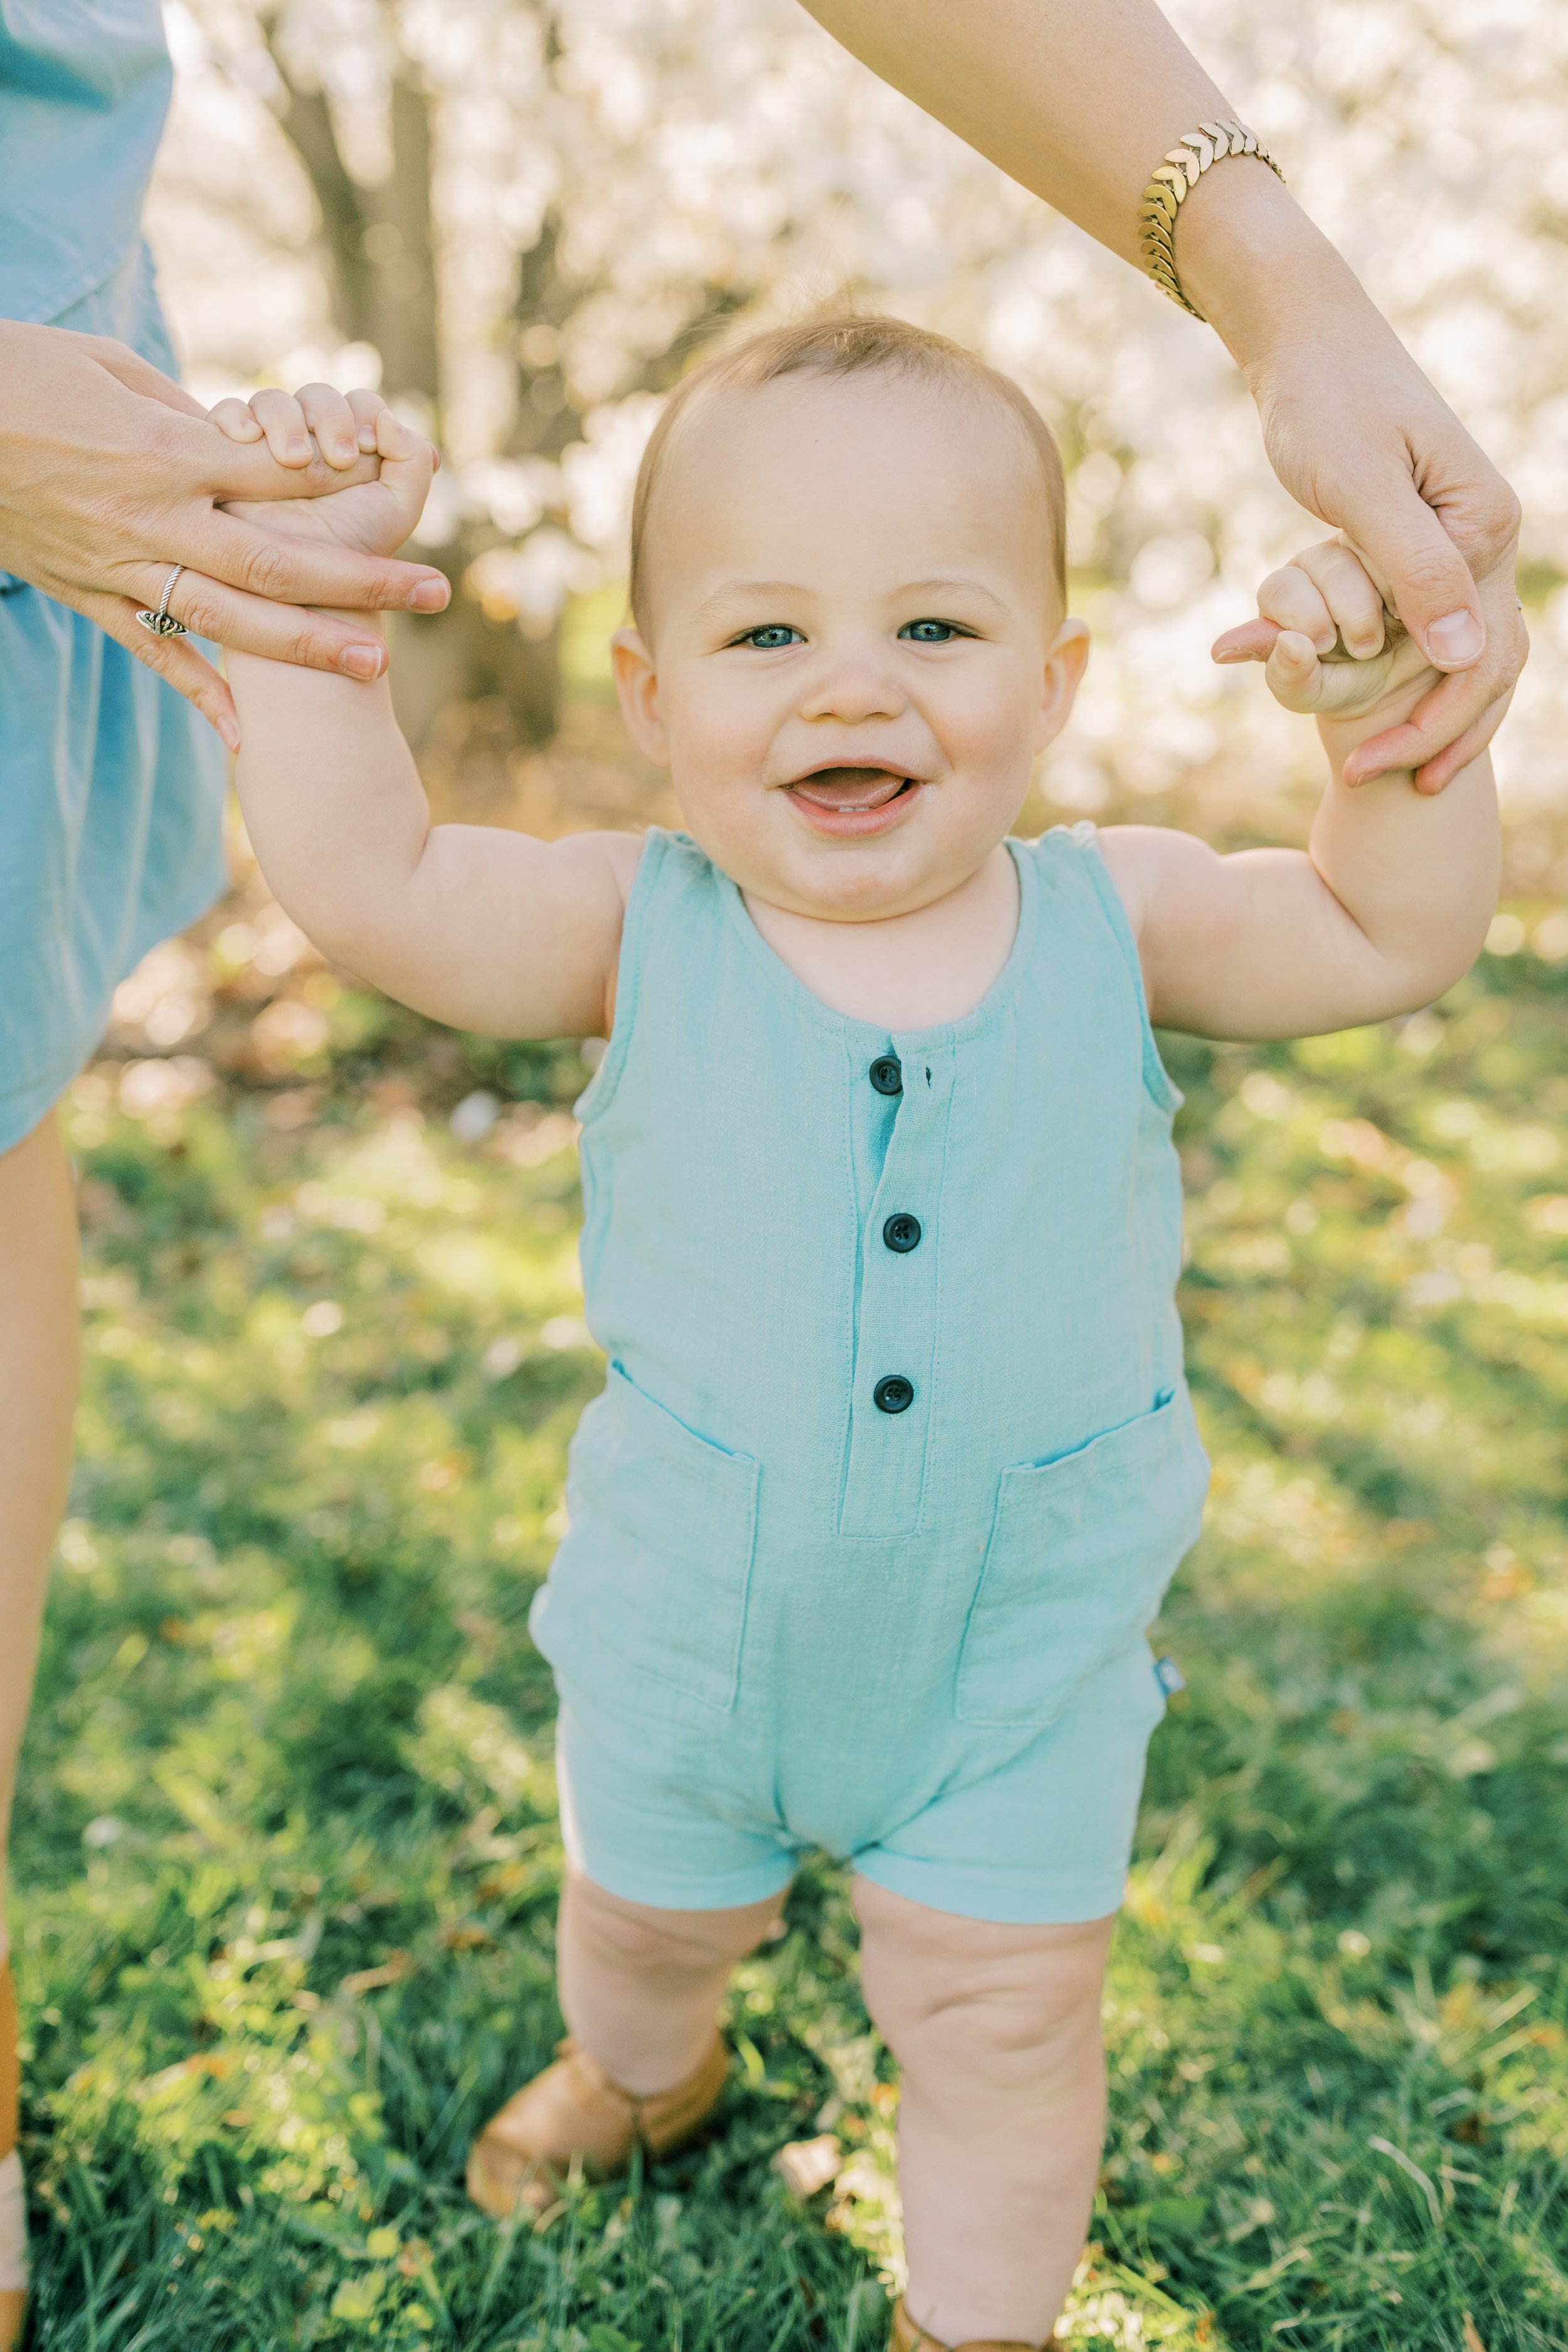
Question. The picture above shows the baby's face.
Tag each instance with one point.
(853, 647)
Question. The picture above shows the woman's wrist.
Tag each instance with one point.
(1262, 274)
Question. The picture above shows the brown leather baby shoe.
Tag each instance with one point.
(909, 2337)
(573, 2112)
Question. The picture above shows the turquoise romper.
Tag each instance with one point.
(895, 1457)
(111, 788)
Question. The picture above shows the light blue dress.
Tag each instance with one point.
(896, 1457)
(111, 788)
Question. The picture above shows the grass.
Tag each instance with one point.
(287, 1854)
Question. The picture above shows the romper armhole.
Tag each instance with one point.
(1156, 1078)
(599, 1092)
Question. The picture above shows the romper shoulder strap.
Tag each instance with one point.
(1075, 850)
(673, 876)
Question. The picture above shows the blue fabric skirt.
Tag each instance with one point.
(111, 797)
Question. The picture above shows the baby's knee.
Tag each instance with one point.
(638, 1937)
(981, 2037)
(978, 2003)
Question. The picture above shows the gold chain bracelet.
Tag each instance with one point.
(1174, 183)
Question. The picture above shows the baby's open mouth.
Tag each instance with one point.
(852, 790)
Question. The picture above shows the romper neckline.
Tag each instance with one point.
(788, 985)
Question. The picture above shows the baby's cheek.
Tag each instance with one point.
(717, 737)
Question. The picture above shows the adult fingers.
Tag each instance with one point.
(282, 420)
(1439, 773)
(1407, 542)
(234, 420)
(1458, 703)
(1440, 726)
(259, 624)
(1292, 598)
(303, 571)
(174, 659)
(1249, 641)
(1353, 602)
(366, 406)
(329, 416)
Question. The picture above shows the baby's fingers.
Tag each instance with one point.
(232, 417)
(1292, 598)
(1354, 601)
(282, 420)
(366, 408)
(1294, 675)
(329, 416)
(395, 438)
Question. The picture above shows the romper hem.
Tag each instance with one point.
(999, 1896)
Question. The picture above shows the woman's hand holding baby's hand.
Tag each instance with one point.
(375, 517)
(1332, 651)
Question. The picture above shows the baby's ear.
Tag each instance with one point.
(1064, 661)
(636, 685)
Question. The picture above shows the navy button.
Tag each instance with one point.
(902, 1233)
(887, 1075)
(893, 1394)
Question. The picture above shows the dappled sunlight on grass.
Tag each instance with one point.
(287, 1850)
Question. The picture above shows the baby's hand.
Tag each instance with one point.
(1332, 649)
(375, 516)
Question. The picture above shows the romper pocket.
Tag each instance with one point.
(653, 1571)
(1081, 1549)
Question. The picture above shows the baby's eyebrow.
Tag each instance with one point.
(733, 590)
(961, 585)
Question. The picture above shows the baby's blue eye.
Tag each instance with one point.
(931, 633)
(771, 635)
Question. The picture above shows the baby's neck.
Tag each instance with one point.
(918, 971)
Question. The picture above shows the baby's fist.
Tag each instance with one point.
(1332, 650)
(376, 471)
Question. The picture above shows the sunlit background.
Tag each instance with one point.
(521, 219)
(288, 1847)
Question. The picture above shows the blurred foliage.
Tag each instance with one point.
(287, 1850)
(529, 213)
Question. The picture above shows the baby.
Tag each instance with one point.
(882, 1229)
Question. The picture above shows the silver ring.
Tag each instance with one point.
(163, 623)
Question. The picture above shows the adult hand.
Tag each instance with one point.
(1079, 100)
(1358, 436)
(110, 475)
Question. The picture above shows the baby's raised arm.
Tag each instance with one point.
(1389, 903)
(484, 928)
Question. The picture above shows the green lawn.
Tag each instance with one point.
(287, 1855)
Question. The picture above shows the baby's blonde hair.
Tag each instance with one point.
(845, 343)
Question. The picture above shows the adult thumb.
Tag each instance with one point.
(1406, 547)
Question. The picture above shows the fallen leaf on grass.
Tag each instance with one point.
(465, 1938)
(393, 1969)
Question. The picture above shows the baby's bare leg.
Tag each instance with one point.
(996, 2030)
(640, 1987)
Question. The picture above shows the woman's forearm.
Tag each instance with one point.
(1078, 102)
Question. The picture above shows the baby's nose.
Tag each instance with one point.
(852, 688)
